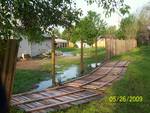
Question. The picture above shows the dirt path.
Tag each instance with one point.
(31, 64)
(36, 64)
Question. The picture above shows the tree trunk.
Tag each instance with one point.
(81, 59)
(96, 56)
(8, 58)
(53, 62)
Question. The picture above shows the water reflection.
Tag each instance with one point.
(68, 54)
(70, 73)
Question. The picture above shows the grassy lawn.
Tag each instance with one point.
(136, 82)
(26, 79)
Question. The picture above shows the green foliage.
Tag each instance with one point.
(98, 27)
(110, 6)
(144, 16)
(34, 17)
(111, 31)
(129, 27)
(81, 29)
(89, 28)
(67, 33)
(120, 34)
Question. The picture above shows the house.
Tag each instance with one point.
(32, 48)
(100, 42)
(61, 43)
(85, 45)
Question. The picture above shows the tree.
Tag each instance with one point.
(32, 18)
(79, 33)
(129, 27)
(98, 28)
(87, 30)
(144, 21)
(67, 34)
(110, 31)
(111, 6)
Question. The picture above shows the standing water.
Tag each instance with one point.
(70, 73)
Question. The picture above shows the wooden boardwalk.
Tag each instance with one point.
(85, 89)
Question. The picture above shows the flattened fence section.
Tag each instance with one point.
(79, 91)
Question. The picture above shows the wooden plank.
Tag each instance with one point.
(31, 92)
(98, 87)
(38, 99)
(99, 77)
(74, 84)
(53, 105)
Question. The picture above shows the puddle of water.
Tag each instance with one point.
(43, 85)
(71, 73)
(67, 54)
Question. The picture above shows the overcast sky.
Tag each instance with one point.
(115, 18)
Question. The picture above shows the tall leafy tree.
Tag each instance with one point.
(111, 6)
(143, 22)
(87, 30)
(79, 33)
(97, 29)
(129, 27)
(67, 34)
(111, 31)
(32, 18)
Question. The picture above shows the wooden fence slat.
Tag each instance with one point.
(117, 47)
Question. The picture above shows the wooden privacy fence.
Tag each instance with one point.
(116, 46)
(8, 57)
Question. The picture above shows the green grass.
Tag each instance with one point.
(25, 79)
(136, 82)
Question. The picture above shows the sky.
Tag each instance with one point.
(135, 6)
(115, 18)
